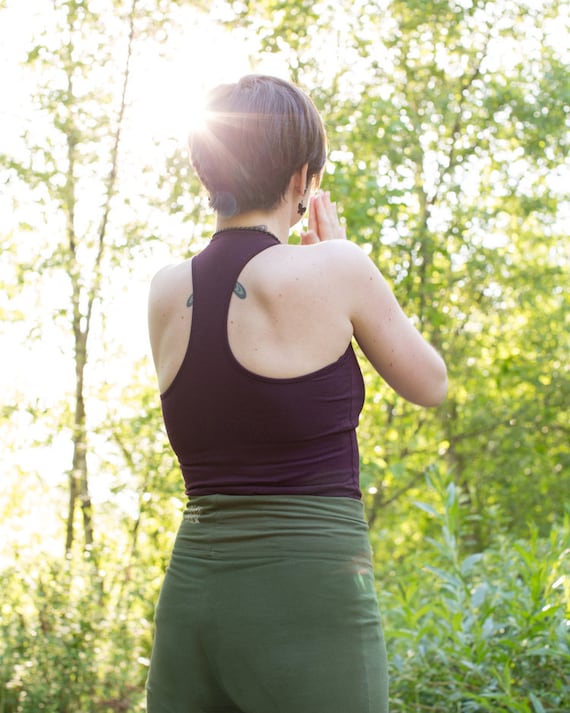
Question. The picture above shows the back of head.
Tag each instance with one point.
(257, 134)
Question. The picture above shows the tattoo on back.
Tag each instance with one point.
(239, 291)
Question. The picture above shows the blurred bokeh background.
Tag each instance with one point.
(448, 124)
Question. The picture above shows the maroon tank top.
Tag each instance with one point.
(238, 433)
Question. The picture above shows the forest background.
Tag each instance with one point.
(448, 123)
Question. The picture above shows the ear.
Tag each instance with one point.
(299, 180)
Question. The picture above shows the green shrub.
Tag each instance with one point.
(480, 632)
(65, 646)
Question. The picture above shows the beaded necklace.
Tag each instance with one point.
(254, 228)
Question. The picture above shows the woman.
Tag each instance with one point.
(268, 604)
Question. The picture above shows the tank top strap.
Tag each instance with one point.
(214, 274)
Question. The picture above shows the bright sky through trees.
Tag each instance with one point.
(168, 84)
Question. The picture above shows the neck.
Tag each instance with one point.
(270, 222)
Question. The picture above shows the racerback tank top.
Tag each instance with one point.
(236, 432)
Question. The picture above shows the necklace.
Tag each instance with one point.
(250, 228)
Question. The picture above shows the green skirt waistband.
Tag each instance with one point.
(267, 524)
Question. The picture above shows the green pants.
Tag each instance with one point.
(268, 606)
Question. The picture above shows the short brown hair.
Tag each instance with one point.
(257, 134)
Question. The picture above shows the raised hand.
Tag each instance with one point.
(323, 221)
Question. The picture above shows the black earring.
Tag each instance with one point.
(301, 209)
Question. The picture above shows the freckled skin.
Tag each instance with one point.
(302, 306)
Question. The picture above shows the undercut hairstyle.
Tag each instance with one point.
(256, 135)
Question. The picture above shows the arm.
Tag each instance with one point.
(158, 313)
(394, 347)
(167, 316)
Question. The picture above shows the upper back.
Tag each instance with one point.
(290, 319)
(303, 305)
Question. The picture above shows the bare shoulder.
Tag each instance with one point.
(170, 274)
(169, 291)
(333, 249)
(354, 278)
(168, 282)
(168, 311)
(339, 257)
(387, 337)
(344, 259)
(345, 266)
(330, 269)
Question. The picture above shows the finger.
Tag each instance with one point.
(329, 224)
(309, 238)
(313, 216)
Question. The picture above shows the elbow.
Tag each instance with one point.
(439, 393)
(425, 384)
(430, 394)
(431, 388)
(438, 388)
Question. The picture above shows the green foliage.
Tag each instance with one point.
(479, 632)
(63, 649)
(76, 631)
